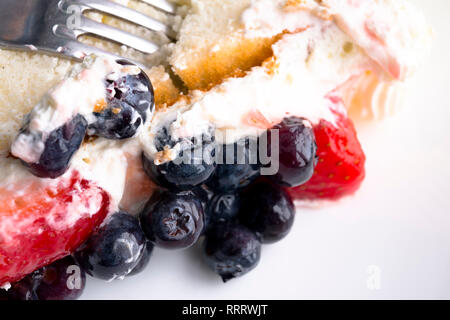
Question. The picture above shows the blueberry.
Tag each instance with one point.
(223, 208)
(115, 249)
(118, 121)
(297, 152)
(193, 166)
(205, 195)
(61, 280)
(173, 220)
(232, 250)
(239, 167)
(59, 148)
(144, 259)
(130, 100)
(25, 289)
(137, 91)
(268, 209)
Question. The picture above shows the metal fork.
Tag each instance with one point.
(53, 26)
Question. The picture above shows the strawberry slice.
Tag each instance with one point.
(340, 169)
(43, 224)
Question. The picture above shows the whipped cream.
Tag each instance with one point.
(358, 51)
(82, 89)
(392, 33)
(305, 69)
(102, 161)
(341, 42)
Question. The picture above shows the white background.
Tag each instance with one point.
(399, 221)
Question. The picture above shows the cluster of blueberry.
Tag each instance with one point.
(130, 102)
(233, 206)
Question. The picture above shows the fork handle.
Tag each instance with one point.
(19, 20)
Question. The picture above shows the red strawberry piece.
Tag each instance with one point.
(44, 224)
(340, 168)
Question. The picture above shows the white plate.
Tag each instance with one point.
(392, 240)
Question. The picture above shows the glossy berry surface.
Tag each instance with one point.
(59, 148)
(114, 250)
(194, 165)
(296, 149)
(144, 259)
(61, 280)
(238, 169)
(118, 121)
(341, 166)
(130, 101)
(173, 220)
(25, 289)
(137, 91)
(231, 250)
(45, 224)
(204, 194)
(222, 208)
(268, 210)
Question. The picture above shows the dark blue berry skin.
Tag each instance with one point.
(114, 250)
(25, 289)
(59, 149)
(223, 208)
(61, 280)
(128, 100)
(144, 259)
(173, 220)
(205, 195)
(118, 121)
(267, 209)
(297, 152)
(135, 96)
(187, 171)
(229, 177)
(231, 250)
(177, 176)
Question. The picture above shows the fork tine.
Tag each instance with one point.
(163, 5)
(117, 35)
(128, 14)
(78, 51)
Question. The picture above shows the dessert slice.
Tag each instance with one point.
(245, 67)
(244, 107)
(239, 36)
(66, 168)
(359, 53)
(212, 44)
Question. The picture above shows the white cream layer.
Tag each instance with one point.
(392, 32)
(307, 67)
(103, 162)
(83, 88)
(342, 42)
